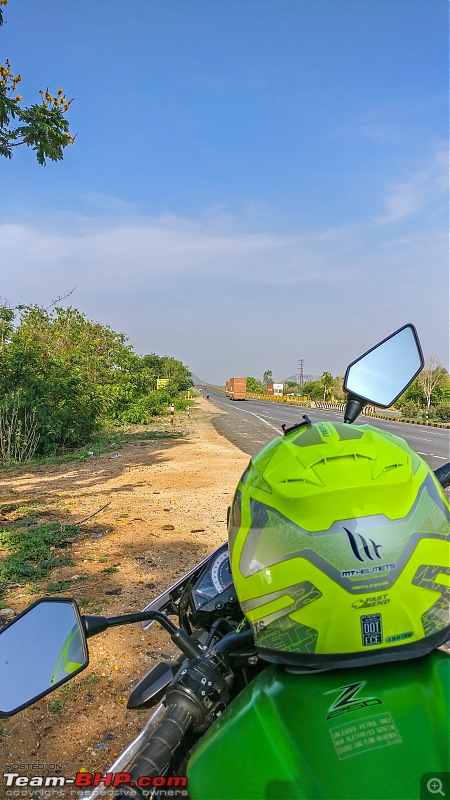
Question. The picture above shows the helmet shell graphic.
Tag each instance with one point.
(339, 548)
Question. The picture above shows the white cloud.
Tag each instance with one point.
(223, 299)
(420, 189)
(129, 252)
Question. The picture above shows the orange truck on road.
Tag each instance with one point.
(236, 388)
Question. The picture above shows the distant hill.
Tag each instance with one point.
(196, 379)
(294, 378)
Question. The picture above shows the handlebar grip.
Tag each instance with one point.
(443, 475)
(165, 739)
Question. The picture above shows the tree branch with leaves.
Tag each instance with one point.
(42, 126)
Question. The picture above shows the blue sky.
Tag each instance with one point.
(253, 181)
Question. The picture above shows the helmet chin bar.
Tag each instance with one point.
(353, 408)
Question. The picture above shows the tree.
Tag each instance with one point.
(433, 376)
(70, 375)
(6, 324)
(267, 377)
(313, 389)
(327, 382)
(337, 389)
(41, 126)
(174, 371)
(254, 385)
(65, 370)
(63, 376)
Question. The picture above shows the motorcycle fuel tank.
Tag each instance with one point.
(376, 732)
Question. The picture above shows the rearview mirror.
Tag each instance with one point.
(382, 374)
(42, 648)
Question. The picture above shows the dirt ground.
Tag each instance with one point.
(167, 502)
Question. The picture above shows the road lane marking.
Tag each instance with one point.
(374, 420)
(257, 417)
(431, 455)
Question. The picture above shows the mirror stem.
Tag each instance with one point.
(353, 408)
(93, 625)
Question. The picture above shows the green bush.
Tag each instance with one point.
(409, 408)
(443, 412)
(72, 376)
(181, 403)
(154, 404)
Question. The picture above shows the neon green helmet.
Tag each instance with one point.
(339, 548)
(71, 657)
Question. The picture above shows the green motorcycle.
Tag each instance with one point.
(312, 662)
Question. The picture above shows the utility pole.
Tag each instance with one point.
(300, 372)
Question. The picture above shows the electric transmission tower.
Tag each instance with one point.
(300, 372)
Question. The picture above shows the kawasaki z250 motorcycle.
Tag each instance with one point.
(310, 662)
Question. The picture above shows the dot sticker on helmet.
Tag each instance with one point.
(371, 629)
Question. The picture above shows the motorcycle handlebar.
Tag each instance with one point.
(443, 475)
(157, 753)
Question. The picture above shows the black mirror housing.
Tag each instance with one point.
(383, 373)
(41, 649)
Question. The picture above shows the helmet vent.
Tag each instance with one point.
(379, 469)
(313, 480)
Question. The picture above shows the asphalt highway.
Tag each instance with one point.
(251, 424)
